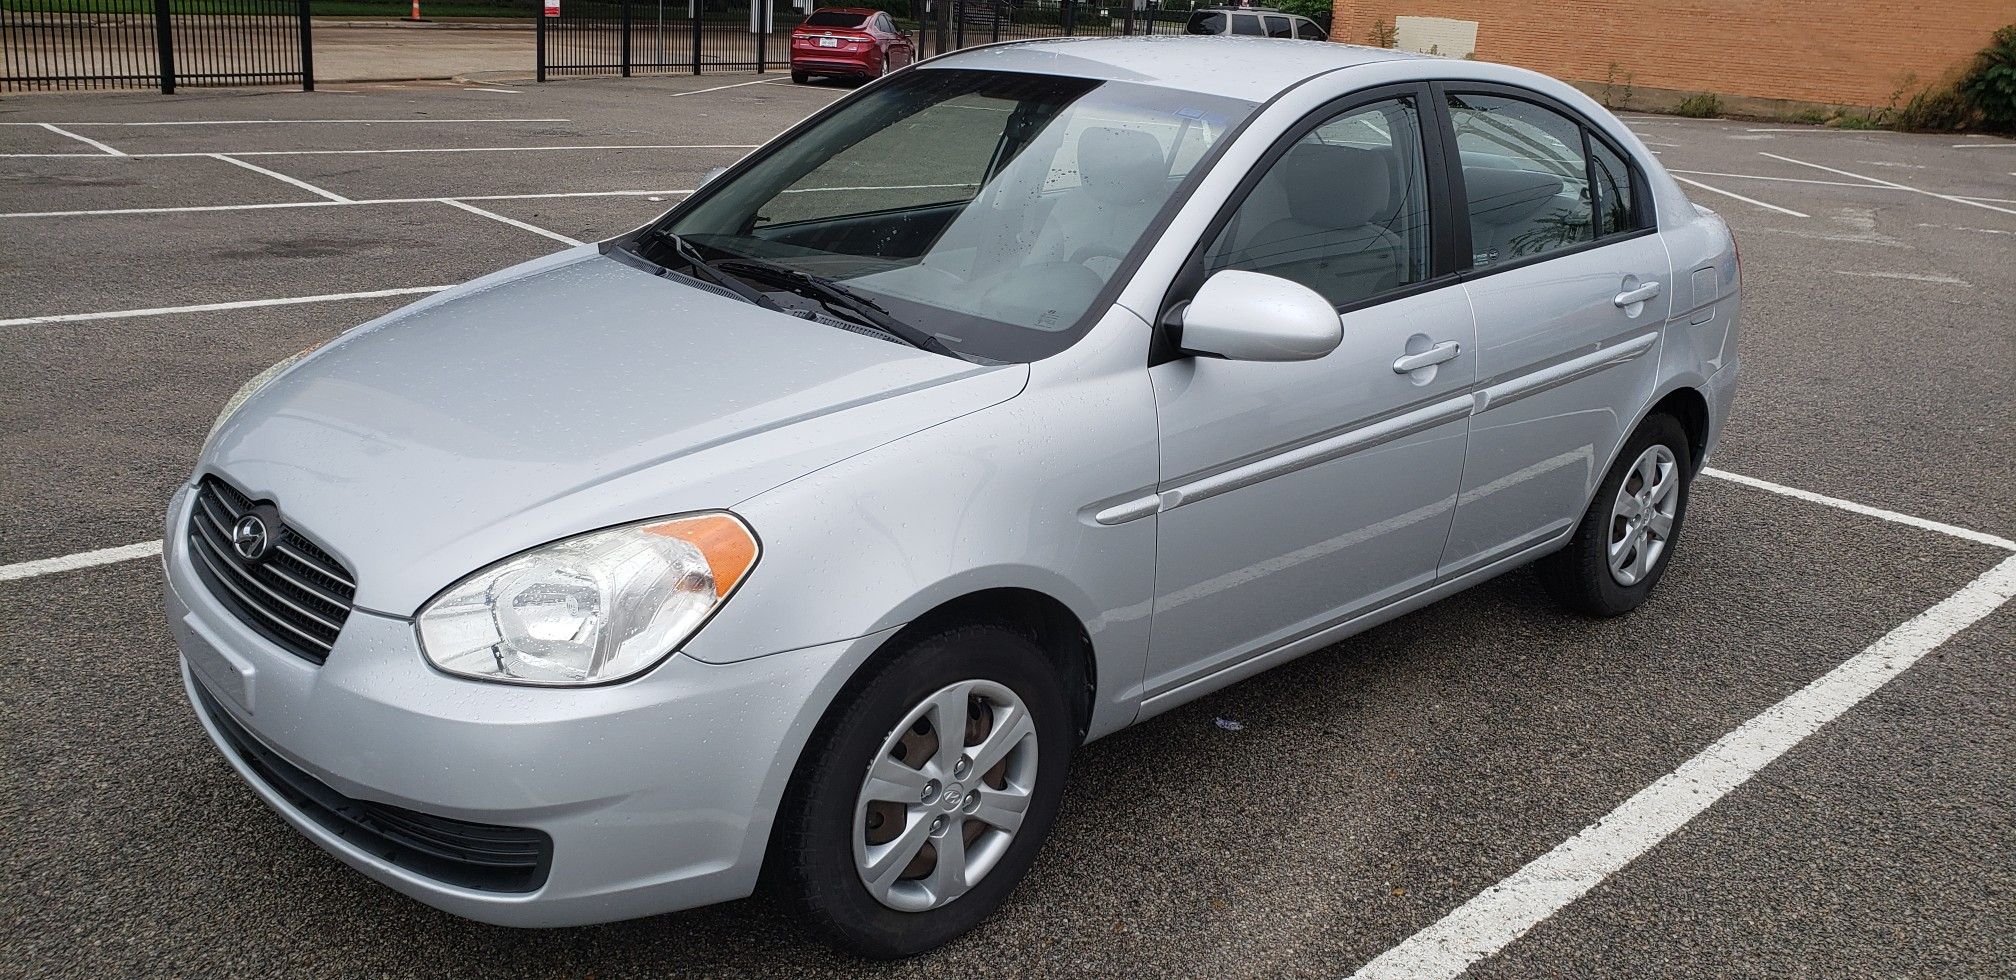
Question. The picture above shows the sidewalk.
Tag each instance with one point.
(358, 51)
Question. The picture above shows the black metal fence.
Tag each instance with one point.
(634, 37)
(108, 44)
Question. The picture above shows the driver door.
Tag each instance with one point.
(1305, 492)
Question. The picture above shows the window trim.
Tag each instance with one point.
(1647, 210)
(1434, 160)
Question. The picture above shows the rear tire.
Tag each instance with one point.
(826, 846)
(1626, 540)
(800, 78)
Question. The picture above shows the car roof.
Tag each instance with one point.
(1251, 68)
(864, 11)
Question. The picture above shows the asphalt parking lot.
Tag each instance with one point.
(1370, 806)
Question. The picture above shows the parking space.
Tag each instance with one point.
(1361, 806)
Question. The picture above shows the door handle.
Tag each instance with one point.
(1444, 351)
(1639, 295)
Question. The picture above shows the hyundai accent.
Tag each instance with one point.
(799, 538)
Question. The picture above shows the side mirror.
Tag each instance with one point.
(1247, 316)
(709, 176)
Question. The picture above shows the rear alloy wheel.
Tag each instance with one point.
(1626, 539)
(1641, 515)
(926, 792)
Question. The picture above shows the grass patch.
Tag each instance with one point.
(1699, 107)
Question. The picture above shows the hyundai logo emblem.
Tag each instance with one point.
(250, 538)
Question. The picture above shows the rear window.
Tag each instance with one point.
(1247, 24)
(1206, 22)
(834, 18)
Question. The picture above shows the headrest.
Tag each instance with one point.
(1508, 197)
(1121, 166)
(1335, 186)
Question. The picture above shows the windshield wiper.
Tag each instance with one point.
(707, 271)
(837, 295)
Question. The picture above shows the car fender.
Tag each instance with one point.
(1000, 498)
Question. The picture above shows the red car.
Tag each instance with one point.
(849, 42)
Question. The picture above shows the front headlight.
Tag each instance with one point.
(590, 609)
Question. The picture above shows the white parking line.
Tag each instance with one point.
(513, 222)
(108, 151)
(1782, 180)
(283, 178)
(1823, 131)
(1490, 921)
(103, 556)
(243, 304)
(1901, 187)
(1984, 146)
(285, 122)
(1984, 231)
(429, 149)
(1911, 276)
(1965, 534)
(1746, 200)
(717, 88)
(194, 208)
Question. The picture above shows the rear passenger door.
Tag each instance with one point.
(1571, 285)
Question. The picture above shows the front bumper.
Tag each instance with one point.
(657, 794)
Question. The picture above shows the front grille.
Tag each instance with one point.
(457, 852)
(296, 594)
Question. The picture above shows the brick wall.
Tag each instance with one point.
(1839, 52)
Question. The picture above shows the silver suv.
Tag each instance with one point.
(1253, 22)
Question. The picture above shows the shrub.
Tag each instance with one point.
(1990, 84)
(1316, 10)
(1705, 106)
(1934, 108)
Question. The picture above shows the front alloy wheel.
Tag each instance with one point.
(945, 795)
(926, 791)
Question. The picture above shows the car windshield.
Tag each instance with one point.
(835, 18)
(990, 210)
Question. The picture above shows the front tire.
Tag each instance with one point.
(1626, 540)
(894, 839)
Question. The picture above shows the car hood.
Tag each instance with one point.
(572, 393)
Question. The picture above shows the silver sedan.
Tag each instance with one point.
(804, 534)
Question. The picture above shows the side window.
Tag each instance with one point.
(1344, 211)
(1616, 211)
(1308, 31)
(1278, 26)
(1206, 23)
(1525, 175)
(1247, 24)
